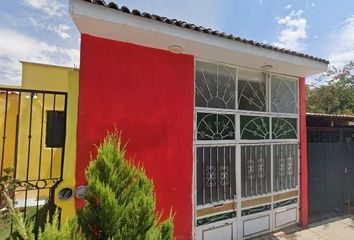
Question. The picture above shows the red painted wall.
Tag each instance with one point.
(148, 95)
(303, 156)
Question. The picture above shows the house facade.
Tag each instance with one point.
(217, 121)
(38, 129)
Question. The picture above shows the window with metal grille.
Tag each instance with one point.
(255, 170)
(212, 126)
(285, 166)
(284, 95)
(254, 111)
(55, 131)
(252, 94)
(215, 174)
(215, 90)
(215, 85)
(254, 127)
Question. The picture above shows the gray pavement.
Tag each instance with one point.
(340, 228)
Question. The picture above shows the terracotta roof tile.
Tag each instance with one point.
(201, 29)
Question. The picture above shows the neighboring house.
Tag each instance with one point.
(330, 164)
(34, 133)
(217, 121)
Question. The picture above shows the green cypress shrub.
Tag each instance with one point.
(68, 230)
(120, 201)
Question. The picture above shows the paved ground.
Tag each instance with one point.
(333, 229)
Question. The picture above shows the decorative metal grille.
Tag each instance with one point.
(285, 203)
(284, 128)
(255, 210)
(284, 95)
(215, 89)
(285, 163)
(216, 179)
(256, 128)
(37, 166)
(216, 218)
(255, 170)
(252, 91)
(215, 86)
(215, 126)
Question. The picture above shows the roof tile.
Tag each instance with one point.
(125, 9)
(113, 5)
(201, 29)
(136, 12)
(99, 2)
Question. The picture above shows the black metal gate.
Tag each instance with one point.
(32, 126)
(331, 171)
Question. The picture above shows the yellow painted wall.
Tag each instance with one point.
(45, 77)
(9, 144)
(68, 207)
(49, 78)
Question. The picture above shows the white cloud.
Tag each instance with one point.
(62, 30)
(15, 46)
(310, 5)
(49, 7)
(288, 6)
(342, 44)
(294, 31)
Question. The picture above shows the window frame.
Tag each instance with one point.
(50, 133)
(237, 112)
(238, 142)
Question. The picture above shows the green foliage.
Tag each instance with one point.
(120, 201)
(7, 211)
(7, 187)
(68, 230)
(167, 229)
(51, 230)
(335, 97)
(25, 229)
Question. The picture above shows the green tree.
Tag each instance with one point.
(335, 97)
(120, 201)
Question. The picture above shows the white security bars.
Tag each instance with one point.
(247, 117)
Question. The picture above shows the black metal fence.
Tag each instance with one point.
(32, 127)
(331, 171)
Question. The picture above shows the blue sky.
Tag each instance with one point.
(42, 30)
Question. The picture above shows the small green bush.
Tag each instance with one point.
(120, 201)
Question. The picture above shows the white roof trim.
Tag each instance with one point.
(112, 24)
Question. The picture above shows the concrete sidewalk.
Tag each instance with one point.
(340, 228)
